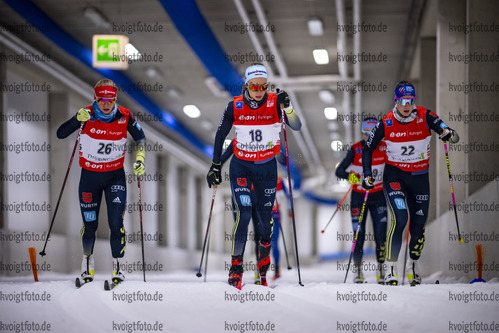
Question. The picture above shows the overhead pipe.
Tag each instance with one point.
(356, 66)
(36, 17)
(311, 154)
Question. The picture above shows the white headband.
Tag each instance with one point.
(255, 71)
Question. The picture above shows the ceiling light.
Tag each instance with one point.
(334, 136)
(96, 17)
(331, 113)
(132, 53)
(326, 96)
(321, 56)
(336, 145)
(192, 111)
(174, 92)
(315, 27)
(154, 73)
(206, 125)
(333, 126)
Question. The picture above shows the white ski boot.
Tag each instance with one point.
(380, 273)
(87, 268)
(359, 276)
(411, 268)
(391, 278)
(117, 276)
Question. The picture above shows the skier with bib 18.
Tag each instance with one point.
(104, 127)
(406, 132)
(256, 115)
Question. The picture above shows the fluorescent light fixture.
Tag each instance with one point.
(151, 72)
(192, 111)
(331, 113)
(174, 92)
(334, 136)
(131, 52)
(326, 96)
(154, 73)
(333, 126)
(206, 125)
(96, 17)
(336, 145)
(315, 27)
(321, 56)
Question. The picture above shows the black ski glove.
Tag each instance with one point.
(282, 98)
(368, 183)
(449, 134)
(214, 176)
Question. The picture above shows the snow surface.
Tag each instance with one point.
(191, 305)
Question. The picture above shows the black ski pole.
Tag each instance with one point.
(460, 240)
(207, 253)
(141, 230)
(282, 233)
(198, 274)
(406, 247)
(42, 253)
(290, 191)
(356, 234)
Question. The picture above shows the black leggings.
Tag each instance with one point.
(113, 184)
(408, 197)
(376, 204)
(263, 177)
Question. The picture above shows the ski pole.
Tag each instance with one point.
(206, 260)
(406, 247)
(452, 192)
(290, 190)
(356, 234)
(42, 253)
(141, 230)
(282, 232)
(337, 208)
(198, 274)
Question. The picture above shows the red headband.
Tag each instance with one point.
(105, 92)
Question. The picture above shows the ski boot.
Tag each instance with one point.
(87, 268)
(263, 261)
(391, 278)
(236, 272)
(277, 273)
(359, 277)
(380, 273)
(257, 278)
(414, 279)
(117, 276)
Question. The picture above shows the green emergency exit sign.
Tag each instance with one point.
(108, 51)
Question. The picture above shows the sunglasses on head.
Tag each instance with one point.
(106, 100)
(262, 87)
(405, 101)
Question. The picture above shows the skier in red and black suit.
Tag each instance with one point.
(406, 132)
(376, 202)
(256, 115)
(102, 154)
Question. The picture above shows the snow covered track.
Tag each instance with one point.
(181, 302)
